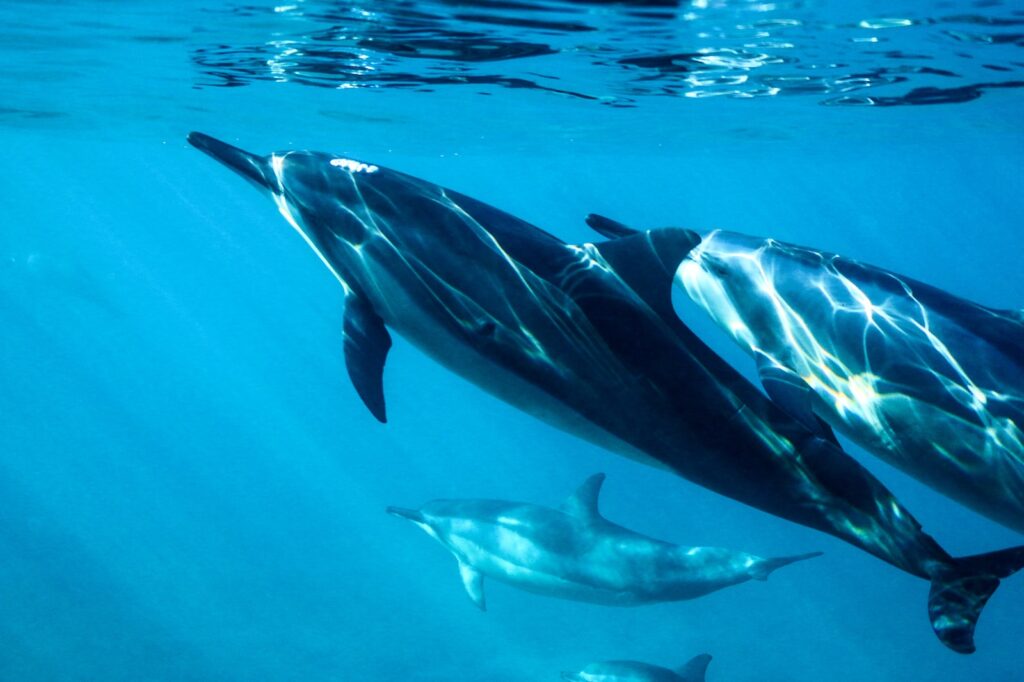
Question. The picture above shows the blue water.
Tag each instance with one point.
(190, 489)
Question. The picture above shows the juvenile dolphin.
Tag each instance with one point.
(574, 553)
(635, 671)
(585, 337)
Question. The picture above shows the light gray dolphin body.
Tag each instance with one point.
(585, 337)
(574, 553)
(693, 670)
(930, 382)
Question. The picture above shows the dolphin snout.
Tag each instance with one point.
(250, 166)
(410, 514)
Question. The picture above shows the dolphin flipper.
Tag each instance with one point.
(694, 669)
(366, 348)
(792, 394)
(606, 227)
(473, 581)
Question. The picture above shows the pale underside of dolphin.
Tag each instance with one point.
(930, 382)
(693, 670)
(575, 553)
(585, 337)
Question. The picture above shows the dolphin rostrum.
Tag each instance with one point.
(585, 337)
(575, 553)
(930, 382)
(635, 671)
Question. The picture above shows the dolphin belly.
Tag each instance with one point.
(409, 308)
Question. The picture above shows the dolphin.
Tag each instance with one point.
(929, 382)
(635, 671)
(585, 338)
(575, 553)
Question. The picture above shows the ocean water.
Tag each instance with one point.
(190, 488)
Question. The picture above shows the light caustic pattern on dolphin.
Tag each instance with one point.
(585, 337)
(635, 671)
(575, 553)
(930, 382)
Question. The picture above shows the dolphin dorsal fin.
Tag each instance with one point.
(583, 503)
(646, 262)
(694, 669)
(608, 228)
(366, 348)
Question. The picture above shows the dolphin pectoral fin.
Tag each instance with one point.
(473, 581)
(695, 669)
(790, 392)
(606, 227)
(583, 503)
(366, 348)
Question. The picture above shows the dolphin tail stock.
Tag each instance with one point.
(960, 591)
(695, 669)
(763, 568)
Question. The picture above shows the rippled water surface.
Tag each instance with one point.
(191, 490)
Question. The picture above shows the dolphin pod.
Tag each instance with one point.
(930, 382)
(575, 553)
(585, 337)
(635, 671)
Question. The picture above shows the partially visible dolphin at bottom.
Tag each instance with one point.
(635, 671)
(574, 553)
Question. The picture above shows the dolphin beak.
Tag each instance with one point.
(250, 166)
(409, 514)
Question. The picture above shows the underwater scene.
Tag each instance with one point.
(512, 340)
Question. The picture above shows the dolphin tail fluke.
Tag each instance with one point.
(695, 669)
(959, 593)
(765, 567)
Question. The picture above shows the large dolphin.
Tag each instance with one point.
(585, 337)
(693, 670)
(575, 553)
(930, 382)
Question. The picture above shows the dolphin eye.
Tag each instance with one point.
(716, 266)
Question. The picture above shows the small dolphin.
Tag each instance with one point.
(635, 671)
(585, 337)
(574, 553)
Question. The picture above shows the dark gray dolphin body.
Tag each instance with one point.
(575, 553)
(585, 337)
(930, 382)
(634, 671)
